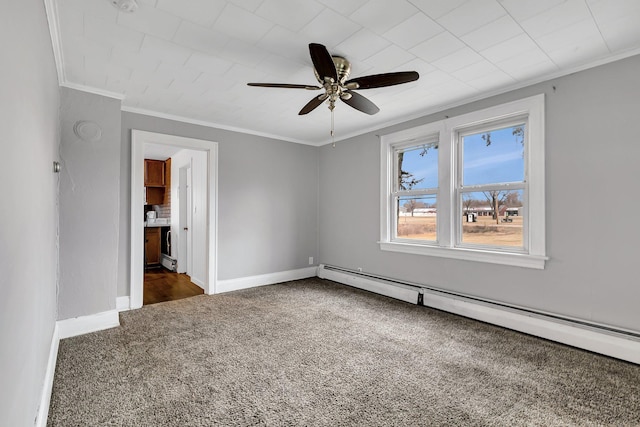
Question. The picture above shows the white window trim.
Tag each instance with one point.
(535, 257)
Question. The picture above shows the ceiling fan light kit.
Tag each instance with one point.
(332, 73)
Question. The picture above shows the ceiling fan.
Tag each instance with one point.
(332, 73)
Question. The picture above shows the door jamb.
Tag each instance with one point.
(138, 139)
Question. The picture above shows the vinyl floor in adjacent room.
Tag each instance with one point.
(162, 285)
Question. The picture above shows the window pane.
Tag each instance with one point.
(417, 217)
(418, 167)
(479, 224)
(493, 157)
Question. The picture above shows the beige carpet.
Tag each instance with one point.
(316, 353)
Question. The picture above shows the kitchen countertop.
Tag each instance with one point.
(155, 224)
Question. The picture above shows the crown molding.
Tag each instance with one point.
(212, 124)
(93, 90)
(51, 10)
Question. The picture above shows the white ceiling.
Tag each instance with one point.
(191, 59)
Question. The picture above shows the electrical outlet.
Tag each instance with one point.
(310, 260)
(360, 269)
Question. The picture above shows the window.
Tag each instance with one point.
(468, 187)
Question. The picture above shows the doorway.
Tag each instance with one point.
(207, 202)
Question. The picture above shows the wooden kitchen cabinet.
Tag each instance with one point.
(153, 173)
(152, 246)
(154, 195)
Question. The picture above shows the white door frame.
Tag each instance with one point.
(138, 139)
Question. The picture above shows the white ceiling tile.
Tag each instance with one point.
(152, 3)
(618, 22)
(361, 45)
(508, 48)
(436, 78)
(134, 90)
(250, 5)
(554, 19)
(175, 72)
(454, 89)
(291, 14)
(152, 80)
(459, 59)
(95, 78)
(379, 16)
(471, 15)
(329, 28)
(158, 49)
(201, 12)
(528, 42)
(504, 28)
(279, 70)
(389, 58)
(127, 58)
(475, 71)
(71, 22)
(208, 63)
(359, 68)
(241, 24)
(73, 59)
(286, 43)
(412, 31)
(243, 74)
(243, 53)
(492, 81)
(437, 47)
(579, 52)
(79, 46)
(532, 70)
(99, 66)
(195, 37)
(573, 38)
(344, 7)
(116, 85)
(149, 20)
(523, 59)
(437, 8)
(108, 33)
(521, 10)
(95, 8)
(418, 65)
(208, 81)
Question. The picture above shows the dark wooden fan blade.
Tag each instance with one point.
(361, 103)
(312, 105)
(322, 61)
(285, 85)
(382, 80)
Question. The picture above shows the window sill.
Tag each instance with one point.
(492, 257)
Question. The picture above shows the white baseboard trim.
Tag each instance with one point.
(123, 303)
(397, 291)
(264, 279)
(85, 324)
(47, 387)
(197, 281)
(592, 338)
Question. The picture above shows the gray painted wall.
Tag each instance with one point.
(591, 180)
(29, 136)
(89, 206)
(267, 199)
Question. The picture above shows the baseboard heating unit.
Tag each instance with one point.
(611, 341)
(168, 262)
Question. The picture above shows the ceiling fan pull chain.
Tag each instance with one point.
(333, 140)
